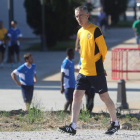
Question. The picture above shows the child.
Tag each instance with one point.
(68, 78)
(27, 79)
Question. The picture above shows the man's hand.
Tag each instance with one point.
(105, 72)
(18, 83)
(62, 89)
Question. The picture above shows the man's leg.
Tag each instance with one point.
(71, 129)
(110, 105)
(111, 108)
(18, 57)
(0, 57)
(66, 105)
(27, 106)
(77, 97)
(90, 99)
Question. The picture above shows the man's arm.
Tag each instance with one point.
(13, 75)
(35, 80)
(62, 82)
(77, 44)
(99, 39)
(135, 33)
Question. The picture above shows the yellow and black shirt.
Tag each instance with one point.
(93, 50)
(3, 32)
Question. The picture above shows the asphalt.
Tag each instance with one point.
(47, 89)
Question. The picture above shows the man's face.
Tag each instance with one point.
(13, 24)
(72, 55)
(30, 60)
(81, 17)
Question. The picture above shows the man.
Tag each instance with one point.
(3, 32)
(27, 79)
(102, 20)
(136, 29)
(14, 36)
(92, 53)
(68, 78)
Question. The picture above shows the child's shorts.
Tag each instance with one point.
(69, 93)
(27, 93)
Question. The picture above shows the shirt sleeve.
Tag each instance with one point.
(99, 39)
(35, 70)
(19, 33)
(64, 67)
(18, 70)
(9, 33)
(134, 24)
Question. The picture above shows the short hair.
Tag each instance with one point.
(69, 51)
(26, 56)
(83, 8)
(14, 21)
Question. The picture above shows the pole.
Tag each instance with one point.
(11, 17)
(43, 35)
(11, 11)
(121, 95)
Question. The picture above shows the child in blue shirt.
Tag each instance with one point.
(68, 78)
(27, 79)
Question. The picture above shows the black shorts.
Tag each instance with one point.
(69, 93)
(14, 49)
(27, 93)
(98, 82)
(2, 48)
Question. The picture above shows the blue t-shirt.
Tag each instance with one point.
(68, 68)
(26, 74)
(14, 34)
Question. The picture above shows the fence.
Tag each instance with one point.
(125, 60)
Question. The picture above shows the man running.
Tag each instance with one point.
(93, 52)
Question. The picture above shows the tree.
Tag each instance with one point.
(115, 8)
(60, 20)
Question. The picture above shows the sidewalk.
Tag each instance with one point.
(47, 89)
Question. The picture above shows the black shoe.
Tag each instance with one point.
(67, 129)
(112, 129)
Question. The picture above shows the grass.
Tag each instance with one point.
(37, 120)
(60, 46)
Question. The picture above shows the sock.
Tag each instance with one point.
(73, 125)
(116, 123)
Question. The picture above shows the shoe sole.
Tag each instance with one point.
(112, 133)
(72, 134)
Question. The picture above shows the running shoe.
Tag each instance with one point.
(67, 129)
(112, 129)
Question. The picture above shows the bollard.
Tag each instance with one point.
(121, 95)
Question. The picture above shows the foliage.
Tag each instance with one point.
(60, 22)
(115, 8)
(60, 46)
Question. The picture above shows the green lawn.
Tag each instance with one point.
(60, 46)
